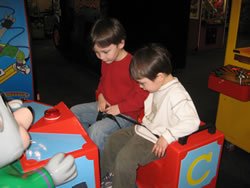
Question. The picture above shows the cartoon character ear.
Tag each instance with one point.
(24, 117)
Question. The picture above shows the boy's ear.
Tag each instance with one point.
(160, 76)
(121, 44)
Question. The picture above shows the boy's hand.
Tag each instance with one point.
(160, 147)
(102, 103)
(114, 110)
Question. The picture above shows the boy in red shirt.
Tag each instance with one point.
(117, 92)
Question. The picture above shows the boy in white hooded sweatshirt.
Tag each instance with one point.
(169, 114)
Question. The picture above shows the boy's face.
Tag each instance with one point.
(110, 53)
(149, 85)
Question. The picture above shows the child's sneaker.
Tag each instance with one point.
(107, 181)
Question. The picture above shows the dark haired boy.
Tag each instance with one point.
(117, 92)
(169, 115)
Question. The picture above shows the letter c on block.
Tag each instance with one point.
(190, 170)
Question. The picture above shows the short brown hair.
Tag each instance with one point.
(107, 31)
(150, 60)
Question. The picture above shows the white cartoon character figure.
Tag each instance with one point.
(14, 140)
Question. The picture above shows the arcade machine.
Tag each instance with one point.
(55, 128)
(16, 77)
(233, 82)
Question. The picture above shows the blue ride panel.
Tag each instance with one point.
(16, 77)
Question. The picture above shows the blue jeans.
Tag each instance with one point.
(98, 131)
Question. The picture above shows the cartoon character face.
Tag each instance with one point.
(14, 138)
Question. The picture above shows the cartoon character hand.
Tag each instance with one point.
(62, 169)
(8, 21)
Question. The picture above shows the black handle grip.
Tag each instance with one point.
(209, 126)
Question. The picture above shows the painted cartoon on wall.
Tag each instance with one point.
(15, 58)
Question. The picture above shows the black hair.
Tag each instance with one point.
(107, 31)
(150, 60)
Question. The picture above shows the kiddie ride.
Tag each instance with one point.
(191, 162)
(54, 130)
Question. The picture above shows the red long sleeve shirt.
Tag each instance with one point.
(118, 87)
